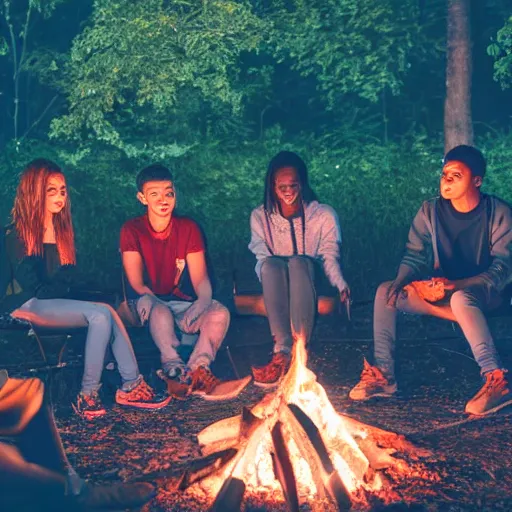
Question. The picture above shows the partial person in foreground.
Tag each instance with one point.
(41, 251)
(463, 240)
(165, 265)
(35, 473)
(291, 235)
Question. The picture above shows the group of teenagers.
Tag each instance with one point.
(456, 266)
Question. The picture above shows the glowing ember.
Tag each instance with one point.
(294, 447)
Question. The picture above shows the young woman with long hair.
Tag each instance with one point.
(290, 232)
(41, 249)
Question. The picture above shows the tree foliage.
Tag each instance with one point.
(139, 63)
(351, 47)
(17, 19)
(501, 50)
(146, 69)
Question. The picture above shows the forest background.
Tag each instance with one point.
(214, 88)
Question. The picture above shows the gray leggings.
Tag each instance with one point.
(103, 325)
(466, 307)
(290, 298)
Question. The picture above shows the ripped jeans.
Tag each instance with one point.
(466, 307)
(211, 321)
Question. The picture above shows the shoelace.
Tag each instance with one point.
(372, 375)
(494, 382)
(92, 400)
(203, 379)
(276, 366)
(142, 392)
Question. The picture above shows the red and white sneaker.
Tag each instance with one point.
(89, 407)
(142, 396)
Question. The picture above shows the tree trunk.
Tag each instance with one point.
(458, 126)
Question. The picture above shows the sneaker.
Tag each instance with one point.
(177, 385)
(142, 396)
(202, 381)
(372, 384)
(113, 497)
(494, 395)
(209, 387)
(89, 406)
(271, 374)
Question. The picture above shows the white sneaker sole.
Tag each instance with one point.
(382, 394)
(491, 411)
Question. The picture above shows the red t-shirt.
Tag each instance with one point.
(164, 254)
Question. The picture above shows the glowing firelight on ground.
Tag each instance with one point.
(316, 480)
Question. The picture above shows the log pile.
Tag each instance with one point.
(295, 445)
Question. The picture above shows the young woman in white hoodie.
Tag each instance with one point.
(290, 232)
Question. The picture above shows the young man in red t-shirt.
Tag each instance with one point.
(160, 250)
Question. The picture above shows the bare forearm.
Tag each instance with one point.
(203, 290)
(142, 289)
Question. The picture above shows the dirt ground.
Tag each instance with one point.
(437, 375)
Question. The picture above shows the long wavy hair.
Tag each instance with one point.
(29, 211)
(281, 160)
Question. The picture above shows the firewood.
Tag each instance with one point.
(332, 481)
(309, 454)
(205, 468)
(384, 438)
(283, 468)
(230, 496)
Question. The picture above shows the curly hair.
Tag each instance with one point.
(29, 210)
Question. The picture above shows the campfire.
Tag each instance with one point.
(293, 447)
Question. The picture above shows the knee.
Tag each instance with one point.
(300, 264)
(145, 306)
(463, 298)
(272, 265)
(219, 313)
(382, 291)
(100, 315)
(158, 312)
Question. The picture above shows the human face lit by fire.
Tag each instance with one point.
(457, 181)
(56, 194)
(159, 197)
(287, 186)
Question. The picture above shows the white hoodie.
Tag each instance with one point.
(322, 238)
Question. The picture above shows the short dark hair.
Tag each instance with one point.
(470, 157)
(154, 172)
(281, 160)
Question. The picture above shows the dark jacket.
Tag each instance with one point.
(421, 257)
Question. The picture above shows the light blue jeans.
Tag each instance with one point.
(210, 320)
(466, 307)
(103, 326)
(290, 298)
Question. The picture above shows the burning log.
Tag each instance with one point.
(294, 443)
(283, 468)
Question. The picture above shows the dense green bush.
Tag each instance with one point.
(376, 190)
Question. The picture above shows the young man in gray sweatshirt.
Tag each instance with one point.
(465, 238)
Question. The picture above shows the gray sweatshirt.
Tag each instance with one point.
(422, 256)
(322, 238)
